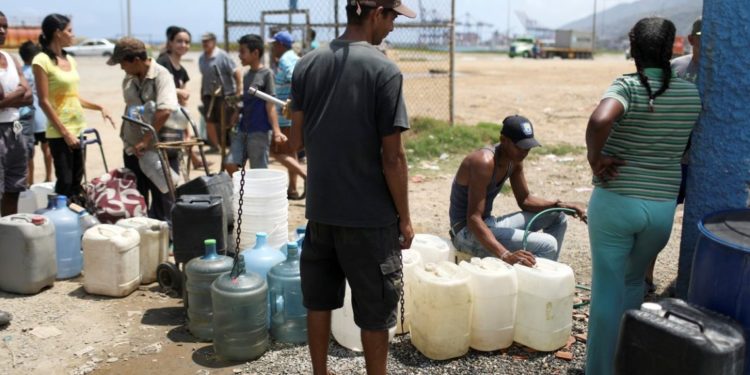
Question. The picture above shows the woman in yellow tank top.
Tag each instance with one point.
(57, 81)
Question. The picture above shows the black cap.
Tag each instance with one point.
(519, 130)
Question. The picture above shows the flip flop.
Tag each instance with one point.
(295, 197)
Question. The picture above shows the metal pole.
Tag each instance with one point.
(452, 85)
(593, 32)
(336, 17)
(129, 24)
(226, 26)
(507, 34)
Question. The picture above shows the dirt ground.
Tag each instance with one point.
(143, 333)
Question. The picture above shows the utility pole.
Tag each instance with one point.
(593, 32)
(130, 33)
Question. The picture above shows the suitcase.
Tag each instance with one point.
(677, 338)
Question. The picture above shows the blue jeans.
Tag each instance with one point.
(253, 146)
(509, 231)
(625, 234)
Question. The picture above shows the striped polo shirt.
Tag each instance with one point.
(651, 143)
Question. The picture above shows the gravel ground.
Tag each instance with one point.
(404, 359)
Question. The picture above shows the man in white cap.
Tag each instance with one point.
(348, 105)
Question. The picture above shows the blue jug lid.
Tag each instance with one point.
(260, 239)
(62, 200)
(291, 249)
(301, 229)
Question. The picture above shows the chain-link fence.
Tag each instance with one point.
(423, 47)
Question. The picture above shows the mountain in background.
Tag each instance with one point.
(614, 23)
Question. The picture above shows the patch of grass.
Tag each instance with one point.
(560, 149)
(506, 189)
(429, 138)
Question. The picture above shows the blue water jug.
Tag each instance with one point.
(262, 257)
(67, 239)
(51, 202)
(288, 314)
(201, 273)
(301, 237)
(240, 303)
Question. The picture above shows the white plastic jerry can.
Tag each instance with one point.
(544, 313)
(411, 259)
(494, 287)
(344, 330)
(154, 246)
(111, 260)
(441, 321)
(433, 249)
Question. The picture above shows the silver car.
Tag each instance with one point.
(92, 47)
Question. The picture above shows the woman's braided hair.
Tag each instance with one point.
(651, 41)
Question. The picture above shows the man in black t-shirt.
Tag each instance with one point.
(348, 108)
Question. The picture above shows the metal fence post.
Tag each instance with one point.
(452, 84)
(226, 26)
(336, 17)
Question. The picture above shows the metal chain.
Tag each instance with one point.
(401, 260)
(235, 268)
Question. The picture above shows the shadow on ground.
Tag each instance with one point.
(164, 316)
(206, 357)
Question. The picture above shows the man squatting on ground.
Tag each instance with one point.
(479, 180)
(348, 107)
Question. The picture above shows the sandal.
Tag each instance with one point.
(295, 196)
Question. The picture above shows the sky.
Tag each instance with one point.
(105, 18)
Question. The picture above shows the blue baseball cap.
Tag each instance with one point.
(284, 38)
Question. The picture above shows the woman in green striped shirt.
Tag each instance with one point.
(635, 139)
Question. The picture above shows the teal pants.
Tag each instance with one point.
(626, 234)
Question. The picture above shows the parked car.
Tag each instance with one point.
(92, 47)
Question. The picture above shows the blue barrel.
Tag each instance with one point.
(720, 279)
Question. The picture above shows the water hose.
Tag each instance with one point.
(526, 238)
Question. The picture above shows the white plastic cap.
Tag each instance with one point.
(651, 307)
